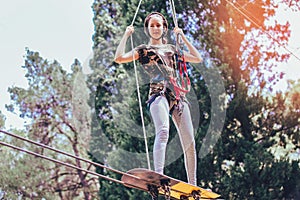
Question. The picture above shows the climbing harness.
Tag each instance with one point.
(180, 88)
(181, 83)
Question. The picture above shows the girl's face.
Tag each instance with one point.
(156, 27)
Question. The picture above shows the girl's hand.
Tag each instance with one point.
(129, 30)
(178, 31)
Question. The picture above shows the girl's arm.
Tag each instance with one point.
(193, 54)
(120, 55)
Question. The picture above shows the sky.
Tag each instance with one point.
(58, 29)
(292, 68)
(62, 30)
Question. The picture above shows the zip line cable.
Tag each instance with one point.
(60, 162)
(252, 21)
(61, 152)
(127, 184)
(138, 90)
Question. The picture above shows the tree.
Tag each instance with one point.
(242, 149)
(232, 39)
(108, 77)
(20, 177)
(56, 108)
(2, 120)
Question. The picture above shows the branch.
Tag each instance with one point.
(62, 174)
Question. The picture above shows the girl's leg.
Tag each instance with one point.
(159, 110)
(183, 122)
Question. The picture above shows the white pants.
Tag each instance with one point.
(159, 110)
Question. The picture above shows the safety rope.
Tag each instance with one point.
(172, 5)
(175, 21)
(136, 12)
(138, 90)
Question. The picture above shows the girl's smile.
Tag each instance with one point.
(155, 27)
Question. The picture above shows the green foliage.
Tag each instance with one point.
(2, 120)
(55, 106)
(255, 157)
(20, 176)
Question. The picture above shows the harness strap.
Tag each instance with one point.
(184, 87)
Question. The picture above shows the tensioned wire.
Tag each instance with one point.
(247, 16)
(128, 184)
(138, 90)
(63, 153)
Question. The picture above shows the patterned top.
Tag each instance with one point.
(159, 63)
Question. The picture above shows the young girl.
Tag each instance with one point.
(159, 61)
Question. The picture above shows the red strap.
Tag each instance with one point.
(178, 90)
(181, 90)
